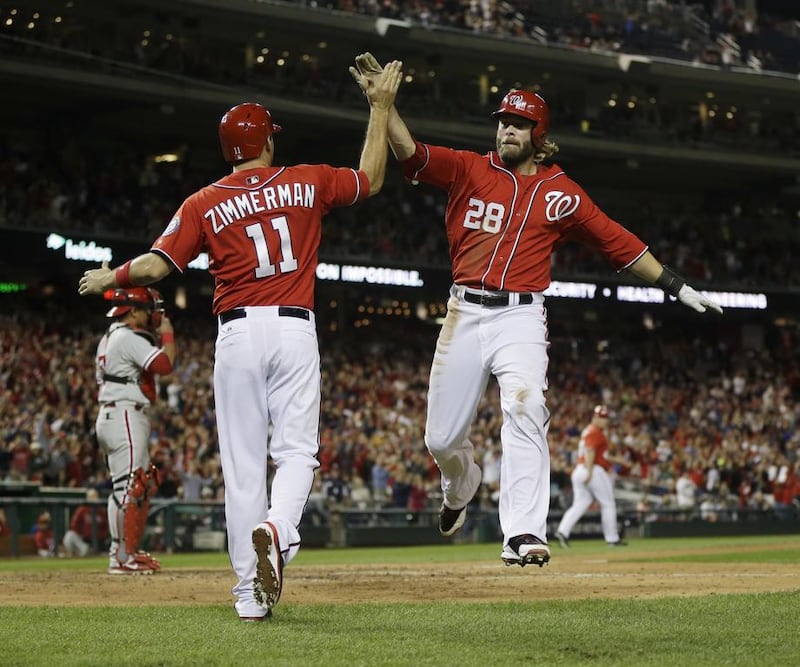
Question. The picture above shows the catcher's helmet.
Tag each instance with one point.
(244, 130)
(600, 411)
(123, 299)
(530, 106)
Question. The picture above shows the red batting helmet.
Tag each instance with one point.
(530, 106)
(124, 298)
(600, 411)
(244, 130)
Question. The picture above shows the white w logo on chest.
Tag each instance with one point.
(560, 205)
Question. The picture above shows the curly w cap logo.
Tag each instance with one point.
(560, 205)
(518, 102)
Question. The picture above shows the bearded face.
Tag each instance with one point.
(514, 143)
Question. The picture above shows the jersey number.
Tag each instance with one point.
(265, 267)
(481, 215)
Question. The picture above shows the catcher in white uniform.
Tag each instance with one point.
(139, 344)
(591, 481)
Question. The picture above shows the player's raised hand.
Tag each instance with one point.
(95, 281)
(366, 70)
(381, 94)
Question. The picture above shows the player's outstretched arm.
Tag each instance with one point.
(648, 268)
(142, 270)
(381, 95)
(365, 73)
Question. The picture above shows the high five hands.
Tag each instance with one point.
(366, 71)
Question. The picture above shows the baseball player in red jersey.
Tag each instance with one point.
(89, 522)
(261, 226)
(506, 212)
(138, 345)
(591, 481)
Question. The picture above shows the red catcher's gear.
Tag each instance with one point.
(530, 106)
(141, 486)
(125, 298)
(244, 131)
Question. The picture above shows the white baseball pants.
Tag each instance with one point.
(600, 488)
(266, 372)
(123, 432)
(509, 342)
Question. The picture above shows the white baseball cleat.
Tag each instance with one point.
(525, 550)
(268, 581)
(250, 612)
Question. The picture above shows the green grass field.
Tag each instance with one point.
(741, 629)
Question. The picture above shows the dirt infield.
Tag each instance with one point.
(568, 576)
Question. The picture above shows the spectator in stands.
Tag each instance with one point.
(317, 506)
(379, 478)
(335, 489)
(43, 536)
(360, 496)
(417, 496)
(685, 491)
(88, 528)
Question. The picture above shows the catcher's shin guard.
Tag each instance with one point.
(141, 486)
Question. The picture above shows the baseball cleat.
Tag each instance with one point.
(268, 581)
(250, 612)
(525, 550)
(618, 543)
(138, 563)
(563, 540)
(451, 520)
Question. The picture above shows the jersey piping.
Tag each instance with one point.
(507, 225)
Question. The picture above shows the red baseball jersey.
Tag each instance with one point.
(593, 438)
(502, 226)
(261, 229)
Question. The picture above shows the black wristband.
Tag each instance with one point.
(670, 281)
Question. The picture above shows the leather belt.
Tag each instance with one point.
(283, 311)
(136, 406)
(495, 300)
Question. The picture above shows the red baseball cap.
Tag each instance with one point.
(601, 411)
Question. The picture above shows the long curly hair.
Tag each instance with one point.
(547, 150)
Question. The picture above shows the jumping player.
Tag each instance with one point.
(506, 212)
(591, 481)
(138, 345)
(261, 226)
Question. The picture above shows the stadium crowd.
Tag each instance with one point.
(705, 34)
(728, 430)
(744, 243)
(715, 32)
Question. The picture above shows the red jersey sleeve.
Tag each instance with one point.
(435, 165)
(182, 240)
(348, 186)
(597, 230)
